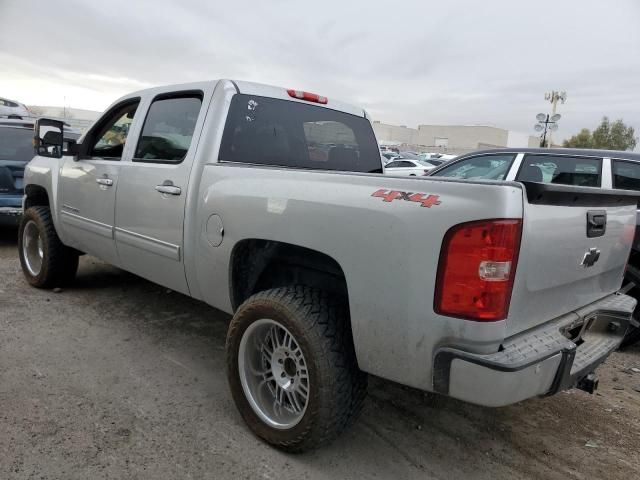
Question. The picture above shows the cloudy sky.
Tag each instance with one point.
(407, 62)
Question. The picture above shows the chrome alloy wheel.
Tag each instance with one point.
(273, 373)
(32, 249)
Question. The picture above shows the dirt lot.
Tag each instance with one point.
(118, 378)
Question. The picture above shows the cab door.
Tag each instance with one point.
(89, 182)
(152, 191)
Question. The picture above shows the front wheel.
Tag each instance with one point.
(292, 369)
(46, 261)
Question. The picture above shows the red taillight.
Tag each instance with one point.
(309, 97)
(476, 270)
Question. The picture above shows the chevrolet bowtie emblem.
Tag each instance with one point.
(590, 258)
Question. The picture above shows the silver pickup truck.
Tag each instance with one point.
(269, 204)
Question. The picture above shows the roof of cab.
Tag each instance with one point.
(253, 88)
(582, 152)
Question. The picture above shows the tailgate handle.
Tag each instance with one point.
(596, 223)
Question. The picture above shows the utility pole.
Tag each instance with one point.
(553, 98)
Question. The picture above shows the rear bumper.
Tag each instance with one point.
(553, 357)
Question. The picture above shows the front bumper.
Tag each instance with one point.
(10, 215)
(553, 357)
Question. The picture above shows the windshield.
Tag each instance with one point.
(16, 144)
(269, 131)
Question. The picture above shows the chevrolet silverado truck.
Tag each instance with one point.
(270, 204)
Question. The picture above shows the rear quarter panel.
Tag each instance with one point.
(389, 251)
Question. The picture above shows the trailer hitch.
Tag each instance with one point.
(589, 383)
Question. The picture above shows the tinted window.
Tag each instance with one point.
(16, 144)
(626, 175)
(406, 164)
(268, 131)
(111, 135)
(578, 171)
(168, 129)
(393, 165)
(491, 167)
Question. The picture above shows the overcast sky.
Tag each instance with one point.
(406, 62)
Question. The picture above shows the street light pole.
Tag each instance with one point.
(553, 98)
(544, 135)
(546, 124)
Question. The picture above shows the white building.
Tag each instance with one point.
(452, 138)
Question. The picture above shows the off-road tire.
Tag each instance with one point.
(320, 325)
(59, 263)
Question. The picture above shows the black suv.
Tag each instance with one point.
(16, 149)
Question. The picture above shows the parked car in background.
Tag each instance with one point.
(410, 155)
(389, 156)
(11, 108)
(16, 149)
(436, 158)
(408, 167)
(606, 169)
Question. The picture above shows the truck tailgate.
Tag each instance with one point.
(574, 248)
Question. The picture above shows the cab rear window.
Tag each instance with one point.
(269, 131)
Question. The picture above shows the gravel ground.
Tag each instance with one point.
(118, 378)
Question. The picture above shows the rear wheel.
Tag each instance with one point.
(292, 368)
(46, 261)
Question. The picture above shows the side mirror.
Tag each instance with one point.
(48, 138)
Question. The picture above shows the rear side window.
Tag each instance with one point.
(490, 167)
(406, 164)
(626, 175)
(578, 171)
(268, 131)
(168, 129)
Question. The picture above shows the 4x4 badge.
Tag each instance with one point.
(590, 258)
(425, 199)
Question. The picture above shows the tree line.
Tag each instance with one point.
(608, 135)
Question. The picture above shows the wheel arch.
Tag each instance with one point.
(258, 264)
(36, 195)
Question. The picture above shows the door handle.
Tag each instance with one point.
(104, 181)
(169, 188)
